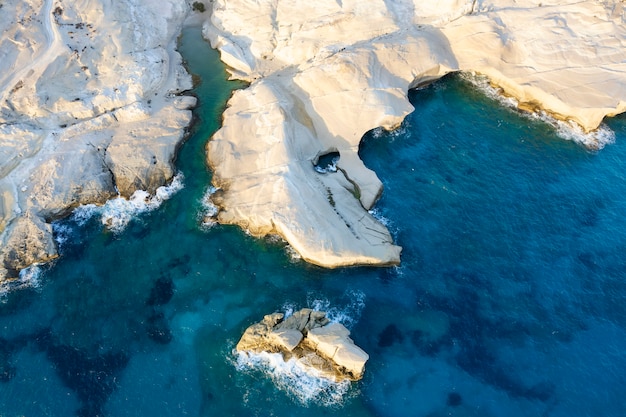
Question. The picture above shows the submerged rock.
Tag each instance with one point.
(320, 347)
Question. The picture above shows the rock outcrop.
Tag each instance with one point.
(89, 109)
(320, 347)
(322, 74)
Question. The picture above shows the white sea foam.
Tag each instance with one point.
(391, 135)
(62, 233)
(28, 278)
(379, 216)
(305, 384)
(116, 213)
(331, 167)
(289, 308)
(82, 214)
(568, 130)
(208, 213)
(347, 315)
(290, 377)
(385, 221)
(294, 255)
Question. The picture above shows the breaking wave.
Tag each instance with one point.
(565, 129)
(207, 216)
(117, 213)
(62, 233)
(347, 315)
(29, 277)
(376, 213)
(294, 255)
(291, 378)
(391, 135)
(306, 386)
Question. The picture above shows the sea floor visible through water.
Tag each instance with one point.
(510, 299)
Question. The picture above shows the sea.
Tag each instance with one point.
(510, 299)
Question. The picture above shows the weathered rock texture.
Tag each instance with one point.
(88, 109)
(324, 73)
(320, 347)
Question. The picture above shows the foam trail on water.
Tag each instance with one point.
(306, 386)
(291, 378)
(376, 213)
(62, 233)
(390, 225)
(116, 213)
(568, 130)
(294, 255)
(347, 315)
(207, 215)
(289, 308)
(29, 277)
(391, 135)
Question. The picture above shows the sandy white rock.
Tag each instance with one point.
(322, 74)
(321, 347)
(88, 108)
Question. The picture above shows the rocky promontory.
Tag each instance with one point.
(324, 73)
(90, 104)
(320, 347)
(89, 110)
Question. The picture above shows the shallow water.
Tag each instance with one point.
(510, 299)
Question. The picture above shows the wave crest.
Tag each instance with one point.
(207, 216)
(291, 378)
(303, 383)
(117, 213)
(347, 315)
(29, 277)
(565, 129)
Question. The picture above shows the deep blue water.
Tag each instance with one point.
(510, 300)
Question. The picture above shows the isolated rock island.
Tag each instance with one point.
(90, 106)
(320, 347)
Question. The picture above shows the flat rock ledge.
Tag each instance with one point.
(321, 347)
(324, 73)
(91, 108)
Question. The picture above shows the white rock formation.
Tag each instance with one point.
(88, 104)
(88, 108)
(323, 73)
(320, 347)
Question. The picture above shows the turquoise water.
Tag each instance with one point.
(510, 300)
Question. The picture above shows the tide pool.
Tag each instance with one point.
(510, 299)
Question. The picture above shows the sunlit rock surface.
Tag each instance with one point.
(88, 109)
(322, 74)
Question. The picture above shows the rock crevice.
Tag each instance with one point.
(320, 347)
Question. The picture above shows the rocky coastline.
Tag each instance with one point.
(91, 105)
(90, 109)
(322, 75)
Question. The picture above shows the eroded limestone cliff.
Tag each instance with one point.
(89, 105)
(88, 110)
(324, 73)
